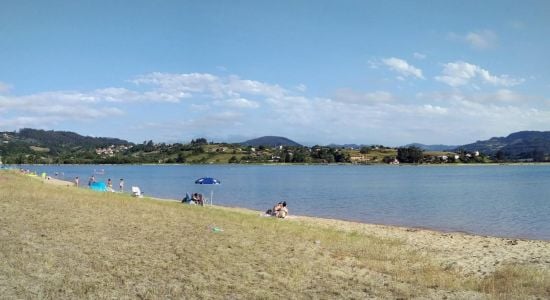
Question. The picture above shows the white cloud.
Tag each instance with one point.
(484, 39)
(301, 88)
(433, 109)
(252, 87)
(350, 96)
(233, 106)
(373, 64)
(175, 87)
(4, 87)
(505, 95)
(36, 110)
(24, 121)
(240, 103)
(200, 90)
(402, 67)
(479, 40)
(462, 73)
(420, 56)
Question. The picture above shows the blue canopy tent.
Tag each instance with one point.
(98, 186)
(208, 180)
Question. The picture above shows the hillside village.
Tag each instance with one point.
(49, 147)
(31, 146)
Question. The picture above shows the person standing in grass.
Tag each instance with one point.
(121, 185)
(76, 181)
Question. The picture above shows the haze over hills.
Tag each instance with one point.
(270, 141)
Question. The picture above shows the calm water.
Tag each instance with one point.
(509, 201)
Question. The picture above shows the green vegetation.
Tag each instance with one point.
(411, 155)
(530, 146)
(63, 242)
(30, 146)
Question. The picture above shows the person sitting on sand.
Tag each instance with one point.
(283, 211)
(197, 198)
(201, 200)
(276, 209)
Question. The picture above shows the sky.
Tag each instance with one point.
(317, 72)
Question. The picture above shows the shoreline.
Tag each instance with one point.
(470, 254)
(60, 182)
(304, 164)
(473, 255)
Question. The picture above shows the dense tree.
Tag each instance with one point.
(341, 157)
(388, 159)
(149, 147)
(199, 142)
(538, 155)
(500, 155)
(410, 155)
(181, 158)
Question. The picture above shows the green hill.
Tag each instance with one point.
(49, 146)
(528, 145)
(270, 141)
(59, 139)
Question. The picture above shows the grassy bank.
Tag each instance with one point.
(64, 242)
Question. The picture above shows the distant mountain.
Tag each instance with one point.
(432, 147)
(519, 145)
(270, 141)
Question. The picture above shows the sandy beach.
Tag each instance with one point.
(58, 182)
(472, 255)
(59, 241)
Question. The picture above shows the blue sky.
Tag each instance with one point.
(318, 72)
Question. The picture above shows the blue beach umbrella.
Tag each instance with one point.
(208, 180)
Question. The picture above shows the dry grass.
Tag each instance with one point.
(64, 242)
(517, 281)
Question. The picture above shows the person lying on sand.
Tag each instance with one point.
(187, 199)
